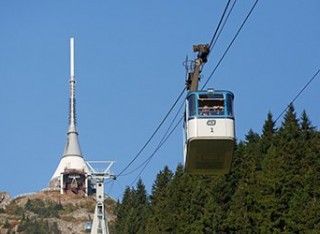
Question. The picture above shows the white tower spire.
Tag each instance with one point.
(72, 158)
(72, 109)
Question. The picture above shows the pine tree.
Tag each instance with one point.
(289, 144)
(161, 183)
(123, 211)
(304, 206)
(268, 134)
(244, 211)
(308, 131)
(167, 209)
(289, 131)
(158, 199)
(133, 212)
(142, 209)
(288, 156)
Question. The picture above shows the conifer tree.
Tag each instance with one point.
(123, 210)
(158, 199)
(141, 210)
(243, 214)
(268, 133)
(308, 131)
(167, 212)
(288, 140)
(288, 156)
(133, 212)
(304, 204)
(161, 183)
(290, 128)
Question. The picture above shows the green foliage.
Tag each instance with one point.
(133, 212)
(68, 208)
(7, 224)
(45, 209)
(274, 187)
(38, 226)
(14, 209)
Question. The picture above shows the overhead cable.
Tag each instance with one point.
(159, 146)
(162, 141)
(234, 38)
(219, 24)
(154, 133)
(213, 43)
(219, 29)
(165, 137)
(296, 97)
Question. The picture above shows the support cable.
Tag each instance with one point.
(147, 161)
(165, 137)
(296, 97)
(154, 133)
(231, 43)
(222, 27)
(219, 29)
(219, 24)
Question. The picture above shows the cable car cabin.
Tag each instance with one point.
(209, 132)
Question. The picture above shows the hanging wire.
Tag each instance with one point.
(152, 155)
(111, 187)
(222, 27)
(231, 43)
(161, 143)
(154, 133)
(219, 24)
(296, 97)
(218, 31)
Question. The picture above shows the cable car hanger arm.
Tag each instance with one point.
(192, 82)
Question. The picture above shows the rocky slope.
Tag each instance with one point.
(49, 212)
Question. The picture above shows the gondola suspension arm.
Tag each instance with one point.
(192, 82)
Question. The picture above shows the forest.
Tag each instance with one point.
(273, 187)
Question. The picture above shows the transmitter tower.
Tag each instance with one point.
(71, 175)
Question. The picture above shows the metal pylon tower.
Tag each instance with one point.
(100, 224)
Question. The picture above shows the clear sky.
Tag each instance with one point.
(128, 68)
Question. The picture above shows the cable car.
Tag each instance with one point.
(87, 226)
(209, 132)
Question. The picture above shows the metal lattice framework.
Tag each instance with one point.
(100, 170)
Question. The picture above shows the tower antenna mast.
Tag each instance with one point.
(70, 175)
(72, 109)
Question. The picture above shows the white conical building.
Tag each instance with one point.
(72, 171)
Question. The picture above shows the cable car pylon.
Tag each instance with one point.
(100, 223)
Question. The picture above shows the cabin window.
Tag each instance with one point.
(211, 104)
(229, 105)
(192, 105)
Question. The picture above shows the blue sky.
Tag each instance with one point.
(128, 68)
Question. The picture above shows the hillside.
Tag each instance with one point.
(48, 212)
